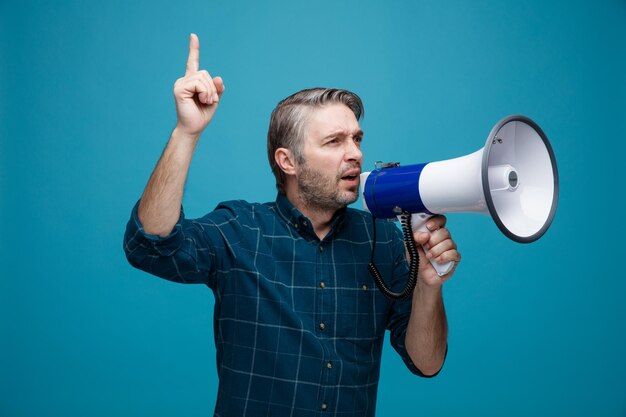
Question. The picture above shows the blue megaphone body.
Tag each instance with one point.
(513, 179)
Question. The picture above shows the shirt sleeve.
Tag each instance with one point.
(184, 255)
(401, 310)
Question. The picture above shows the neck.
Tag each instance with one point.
(320, 217)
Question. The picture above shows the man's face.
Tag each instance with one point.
(329, 176)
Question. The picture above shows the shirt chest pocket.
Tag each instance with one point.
(362, 313)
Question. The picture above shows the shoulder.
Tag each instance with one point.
(366, 218)
(241, 210)
(384, 228)
(244, 206)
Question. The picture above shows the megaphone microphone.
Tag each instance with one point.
(513, 179)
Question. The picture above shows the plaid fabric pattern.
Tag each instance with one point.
(298, 321)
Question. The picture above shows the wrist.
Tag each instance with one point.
(427, 294)
(181, 146)
(181, 133)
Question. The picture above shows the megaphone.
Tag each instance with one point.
(513, 179)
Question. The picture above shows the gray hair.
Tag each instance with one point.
(289, 118)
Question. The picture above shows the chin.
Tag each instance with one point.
(349, 198)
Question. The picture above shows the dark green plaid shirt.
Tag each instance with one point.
(299, 323)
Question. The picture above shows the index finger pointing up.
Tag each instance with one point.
(193, 61)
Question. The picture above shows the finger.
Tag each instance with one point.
(439, 249)
(206, 97)
(219, 85)
(427, 240)
(421, 237)
(193, 60)
(206, 77)
(436, 222)
(208, 92)
(196, 86)
(438, 236)
(448, 256)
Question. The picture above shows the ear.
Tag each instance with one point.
(285, 160)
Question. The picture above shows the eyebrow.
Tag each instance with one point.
(344, 133)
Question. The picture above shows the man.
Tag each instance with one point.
(299, 324)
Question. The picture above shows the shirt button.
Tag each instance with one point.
(322, 326)
(329, 365)
(324, 406)
(364, 287)
(321, 248)
(304, 223)
(322, 285)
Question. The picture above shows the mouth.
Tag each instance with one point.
(351, 175)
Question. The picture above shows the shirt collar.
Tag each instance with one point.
(299, 221)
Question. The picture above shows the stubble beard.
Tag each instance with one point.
(321, 192)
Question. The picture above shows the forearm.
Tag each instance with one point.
(160, 204)
(427, 332)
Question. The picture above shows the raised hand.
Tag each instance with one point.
(197, 94)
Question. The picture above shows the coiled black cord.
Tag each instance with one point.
(414, 259)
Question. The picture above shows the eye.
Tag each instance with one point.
(358, 140)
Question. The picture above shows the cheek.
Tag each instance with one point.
(328, 162)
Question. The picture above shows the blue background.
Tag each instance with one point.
(86, 108)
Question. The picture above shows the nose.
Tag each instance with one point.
(353, 151)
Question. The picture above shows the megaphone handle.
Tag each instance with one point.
(418, 222)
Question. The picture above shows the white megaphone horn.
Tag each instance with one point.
(513, 179)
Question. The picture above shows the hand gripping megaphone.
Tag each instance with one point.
(513, 179)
